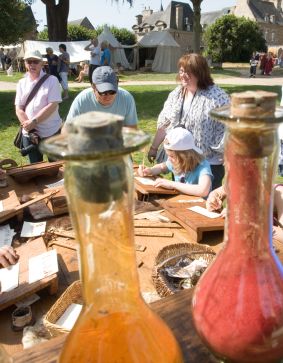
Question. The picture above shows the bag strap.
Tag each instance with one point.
(35, 89)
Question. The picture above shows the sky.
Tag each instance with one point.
(120, 14)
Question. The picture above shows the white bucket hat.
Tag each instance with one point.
(180, 139)
(33, 54)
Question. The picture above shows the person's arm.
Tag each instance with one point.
(8, 256)
(88, 46)
(199, 190)
(154, 171)
(157, 140)
(22, 116)
(215, 199)
(42, 115)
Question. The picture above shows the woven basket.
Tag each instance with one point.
(73, 294)
(168, 256)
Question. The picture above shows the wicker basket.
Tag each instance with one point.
(168, 256)
(73, 294)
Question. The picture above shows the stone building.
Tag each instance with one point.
(177, 19)
(267, 13)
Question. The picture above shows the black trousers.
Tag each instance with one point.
(218, 172)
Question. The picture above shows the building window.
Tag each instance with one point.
(189, 27)
(266, 18)
(272, 19)
(273, 36)
(266, 34)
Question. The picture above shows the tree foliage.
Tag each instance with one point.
(14, 22)
(233, 39)
(77, 32)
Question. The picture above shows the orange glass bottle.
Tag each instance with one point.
(115, 325)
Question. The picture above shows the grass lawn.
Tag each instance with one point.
(149, 100)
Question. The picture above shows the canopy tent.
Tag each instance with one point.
(117, 52)
(167, 53)
(75, 49)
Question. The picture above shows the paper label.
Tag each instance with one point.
(33, 229)
(6, 235)
(42, 266)
(145, 181)
(9, 277)
(70, 316)
(56, 184)
(204, 212)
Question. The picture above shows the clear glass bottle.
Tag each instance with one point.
(115, 325)
(238, 303)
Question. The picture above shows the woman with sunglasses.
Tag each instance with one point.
(104, 95)
(41, 114)
(188, 106)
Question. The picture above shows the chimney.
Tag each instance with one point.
(139, 19)
(179, 17)
(147, 12)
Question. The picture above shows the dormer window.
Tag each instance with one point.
(186, 20)
(272, 19)
(266, 18)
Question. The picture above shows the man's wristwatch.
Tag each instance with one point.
(35, 120)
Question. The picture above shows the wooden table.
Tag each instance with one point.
(175, 310)
(194, 223)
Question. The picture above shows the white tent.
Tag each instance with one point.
(75, 49)
(117, 51)
(168, 50)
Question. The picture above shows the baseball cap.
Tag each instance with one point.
(180, 139)
(35, 54)
(105, 79)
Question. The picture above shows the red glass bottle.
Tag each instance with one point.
(238, 303)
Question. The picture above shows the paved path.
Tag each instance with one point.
(259, 80)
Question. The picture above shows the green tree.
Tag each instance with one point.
(233, 39)
(14, 22)
(57, 12)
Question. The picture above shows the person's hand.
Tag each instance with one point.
(8, 256)
(152, 154)
(164, 183)
(28, 125)
(144, 171)
(215, 200)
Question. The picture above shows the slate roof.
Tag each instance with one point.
(211, 17)
(169, 15)
(83, 22)
(262, 8)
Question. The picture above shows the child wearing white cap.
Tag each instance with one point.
(191, 171)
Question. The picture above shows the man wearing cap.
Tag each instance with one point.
(41, 114)
(105, 96)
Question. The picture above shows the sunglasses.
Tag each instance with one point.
(106, 93)
(33, 61)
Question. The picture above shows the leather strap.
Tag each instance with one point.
(35, 89)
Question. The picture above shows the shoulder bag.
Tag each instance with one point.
(18, 140)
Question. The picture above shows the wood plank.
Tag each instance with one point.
(154, 224)
(26, 172)
(176, 312)
(196, 224)
(26, 251)
(150, 189)
(10, 202)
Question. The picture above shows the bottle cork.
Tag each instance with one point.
(253, 104)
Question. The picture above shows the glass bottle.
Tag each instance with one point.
(115, 325)
(238, 303)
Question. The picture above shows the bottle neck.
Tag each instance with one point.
(250, 165)
(103, 222)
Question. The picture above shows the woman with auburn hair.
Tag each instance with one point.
(188, 106)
